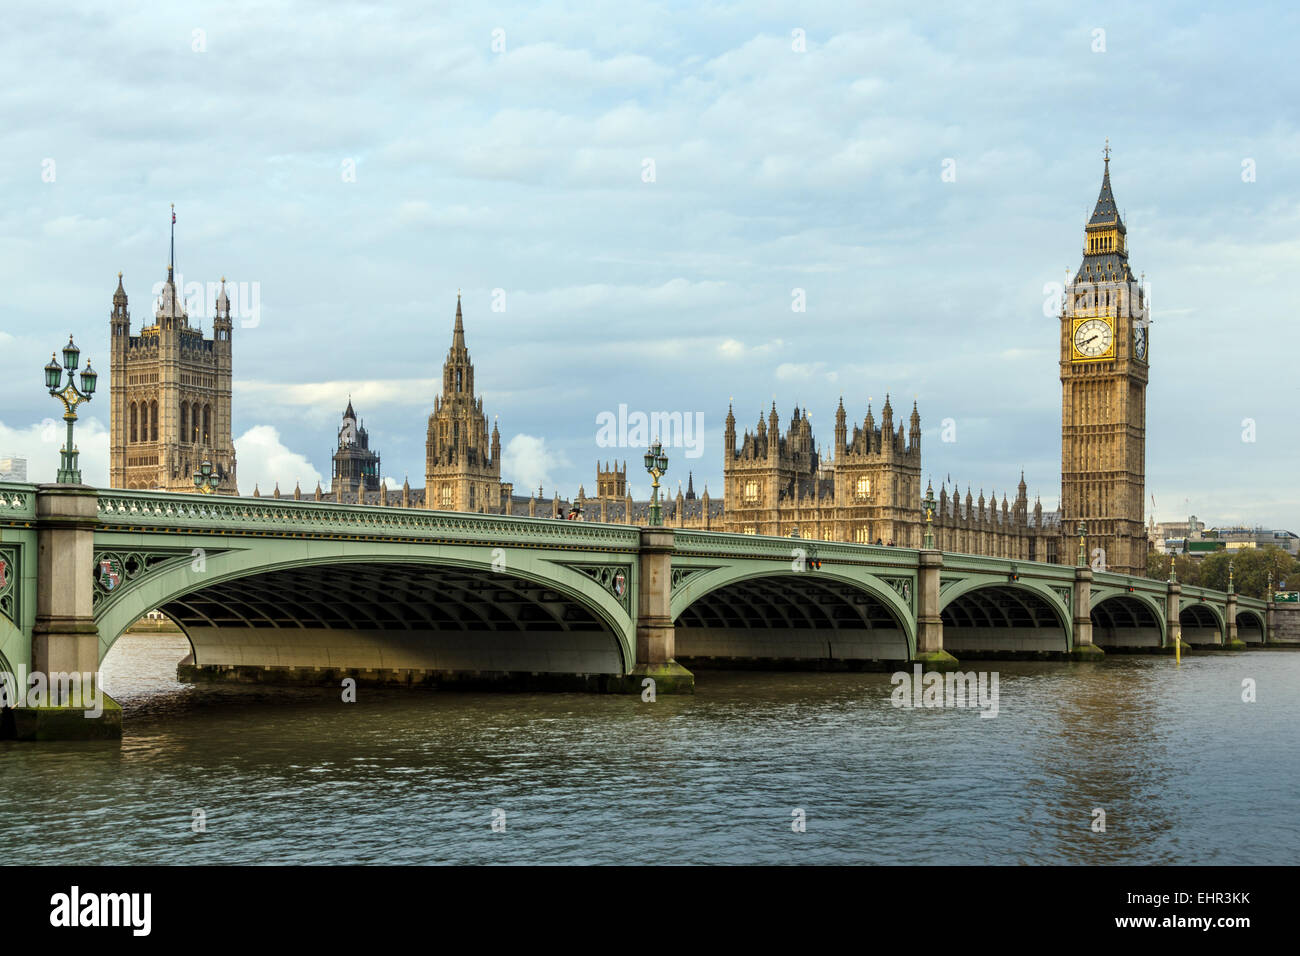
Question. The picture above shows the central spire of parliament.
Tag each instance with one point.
(462, 466)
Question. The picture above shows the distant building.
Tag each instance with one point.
(1193, 538)
(462, 470)
(169, 394)
(1170, 536)
(611, 481)
(13, 469)
(1234, 539)
(356, 466)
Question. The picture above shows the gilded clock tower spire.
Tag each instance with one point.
(1104, 356)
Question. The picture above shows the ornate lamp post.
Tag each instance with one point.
(71, 396)
(1231, 589)
(1083, 546)
(206, 480)
(656, 463)
(929, 518)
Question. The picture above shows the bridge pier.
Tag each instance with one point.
(65, 640)
(1083, 649)
(1231, 641)
(655, 634)
(1173, 618)
(929, 622)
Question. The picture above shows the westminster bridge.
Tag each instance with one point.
(286, 590)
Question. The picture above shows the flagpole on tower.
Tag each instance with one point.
(171, 264)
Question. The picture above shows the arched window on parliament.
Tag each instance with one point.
(207, 424)
(863, 490)
(135, 418)
(862, 534)
(751, 494)
(458, 373)
(446, 496)
(153, 421)
(185, 423)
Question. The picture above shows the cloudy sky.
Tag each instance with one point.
(633, 197)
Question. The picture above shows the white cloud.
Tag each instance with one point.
(40, 442)
(529, 463)
(334, 396)
(804, 372)
(775, 169)
(736, 349)
(264, 460)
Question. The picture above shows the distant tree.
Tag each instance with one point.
(1158, 565)
(1188, 568)
(1250, 569)
(1214, 570)
(1190, 571)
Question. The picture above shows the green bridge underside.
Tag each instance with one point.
(291, 584)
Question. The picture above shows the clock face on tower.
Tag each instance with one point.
(1093, 339)
(1140, 341)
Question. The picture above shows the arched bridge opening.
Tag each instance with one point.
(790, 620)
(1250, 627)
(1123, 621)
(388, 617)
(1003, 619)
(1200, 626)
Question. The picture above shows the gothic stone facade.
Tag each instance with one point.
(462, 472)
(356, 466)
(170, 396)
(869, 491)
(1104, 372)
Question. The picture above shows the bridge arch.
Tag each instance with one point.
(1127, 619)
(12, 640)
(995, 615)
(1201, 623)
(384, 606)
(1251, 626)
(753, 611)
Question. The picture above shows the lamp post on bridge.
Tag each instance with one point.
(929, 518)
(206, 480)
(71, 396)
(656, 463)
(1083, 546)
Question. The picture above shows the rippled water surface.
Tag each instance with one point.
(1185, 771)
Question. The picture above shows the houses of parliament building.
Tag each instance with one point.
(171, 390)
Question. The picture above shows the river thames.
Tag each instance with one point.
(1185, 771)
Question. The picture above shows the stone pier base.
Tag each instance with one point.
(795, 664)
(939, 660)
(670, 678)
(61, 723)
(1087, 652)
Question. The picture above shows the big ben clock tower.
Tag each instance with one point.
(1104, 367)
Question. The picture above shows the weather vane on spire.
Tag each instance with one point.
(1106, 152)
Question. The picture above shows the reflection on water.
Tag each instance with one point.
(1186, 772)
